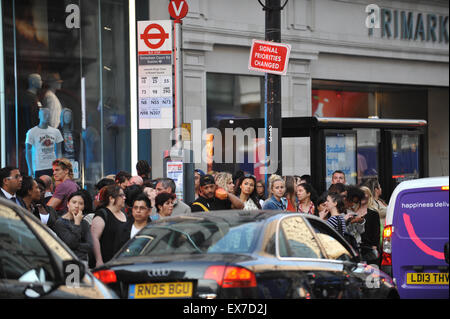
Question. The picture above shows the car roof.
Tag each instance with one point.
(230, 215)
(413, 184)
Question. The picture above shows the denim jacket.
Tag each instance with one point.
(273, 204)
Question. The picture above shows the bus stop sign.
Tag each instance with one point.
(269, 57)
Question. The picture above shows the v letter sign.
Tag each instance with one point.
(178, 9)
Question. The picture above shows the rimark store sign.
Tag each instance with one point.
(407, 25)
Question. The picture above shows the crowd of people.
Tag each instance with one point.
(96, 226)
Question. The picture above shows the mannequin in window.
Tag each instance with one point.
(30, 105)
(66, 129)
(28, 113)
(51, 101)
(42, 146)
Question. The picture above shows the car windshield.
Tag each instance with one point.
(194, 237)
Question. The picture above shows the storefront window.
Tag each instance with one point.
(231, 96)
(368, 152)
(66, 85)
(340, 150)
(405, 156)
(334, 103)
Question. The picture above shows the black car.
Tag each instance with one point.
(242, 254)
(35, 263)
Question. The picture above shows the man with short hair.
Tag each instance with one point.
(338, 177)
(63, 174)
(10, 183)
(140, 210)
(168, 185)
(208, 201)
(47, 180)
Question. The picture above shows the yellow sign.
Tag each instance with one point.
(427, 278)
(161, 290)
(186, 131)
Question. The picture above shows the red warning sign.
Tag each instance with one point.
(269, 57)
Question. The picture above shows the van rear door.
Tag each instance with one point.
(421, 230)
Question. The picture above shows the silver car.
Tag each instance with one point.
(35, 263)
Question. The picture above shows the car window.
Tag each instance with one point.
(189, 237)
(296, 240)
(333, 248)
(22, 257)
(51, 242)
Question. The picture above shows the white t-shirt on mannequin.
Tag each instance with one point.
(43, 142)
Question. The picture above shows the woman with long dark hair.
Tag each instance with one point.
(291, 189)
(109, 227)
(71, 227)
(306, 196)
(336, 207)
(246, 191)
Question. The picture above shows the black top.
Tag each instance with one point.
(77, 237)
(53, 215)
(211, 204)
(371, 235)
(115, 234)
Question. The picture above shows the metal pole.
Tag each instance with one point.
(2, 96)
(273, 92)
(178, 76)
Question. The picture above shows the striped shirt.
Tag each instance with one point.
(338, 223)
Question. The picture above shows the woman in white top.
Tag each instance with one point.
(246, 191)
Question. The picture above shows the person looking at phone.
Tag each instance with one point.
(72, 229)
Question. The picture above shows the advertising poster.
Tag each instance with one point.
(341, 155)
(175, 172)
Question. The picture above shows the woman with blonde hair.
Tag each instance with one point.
(225, 180)
(277, 189)
(378, 203)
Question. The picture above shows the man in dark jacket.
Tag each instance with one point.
(10, 183)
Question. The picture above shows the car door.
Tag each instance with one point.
(354, 278)
(303, 259)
